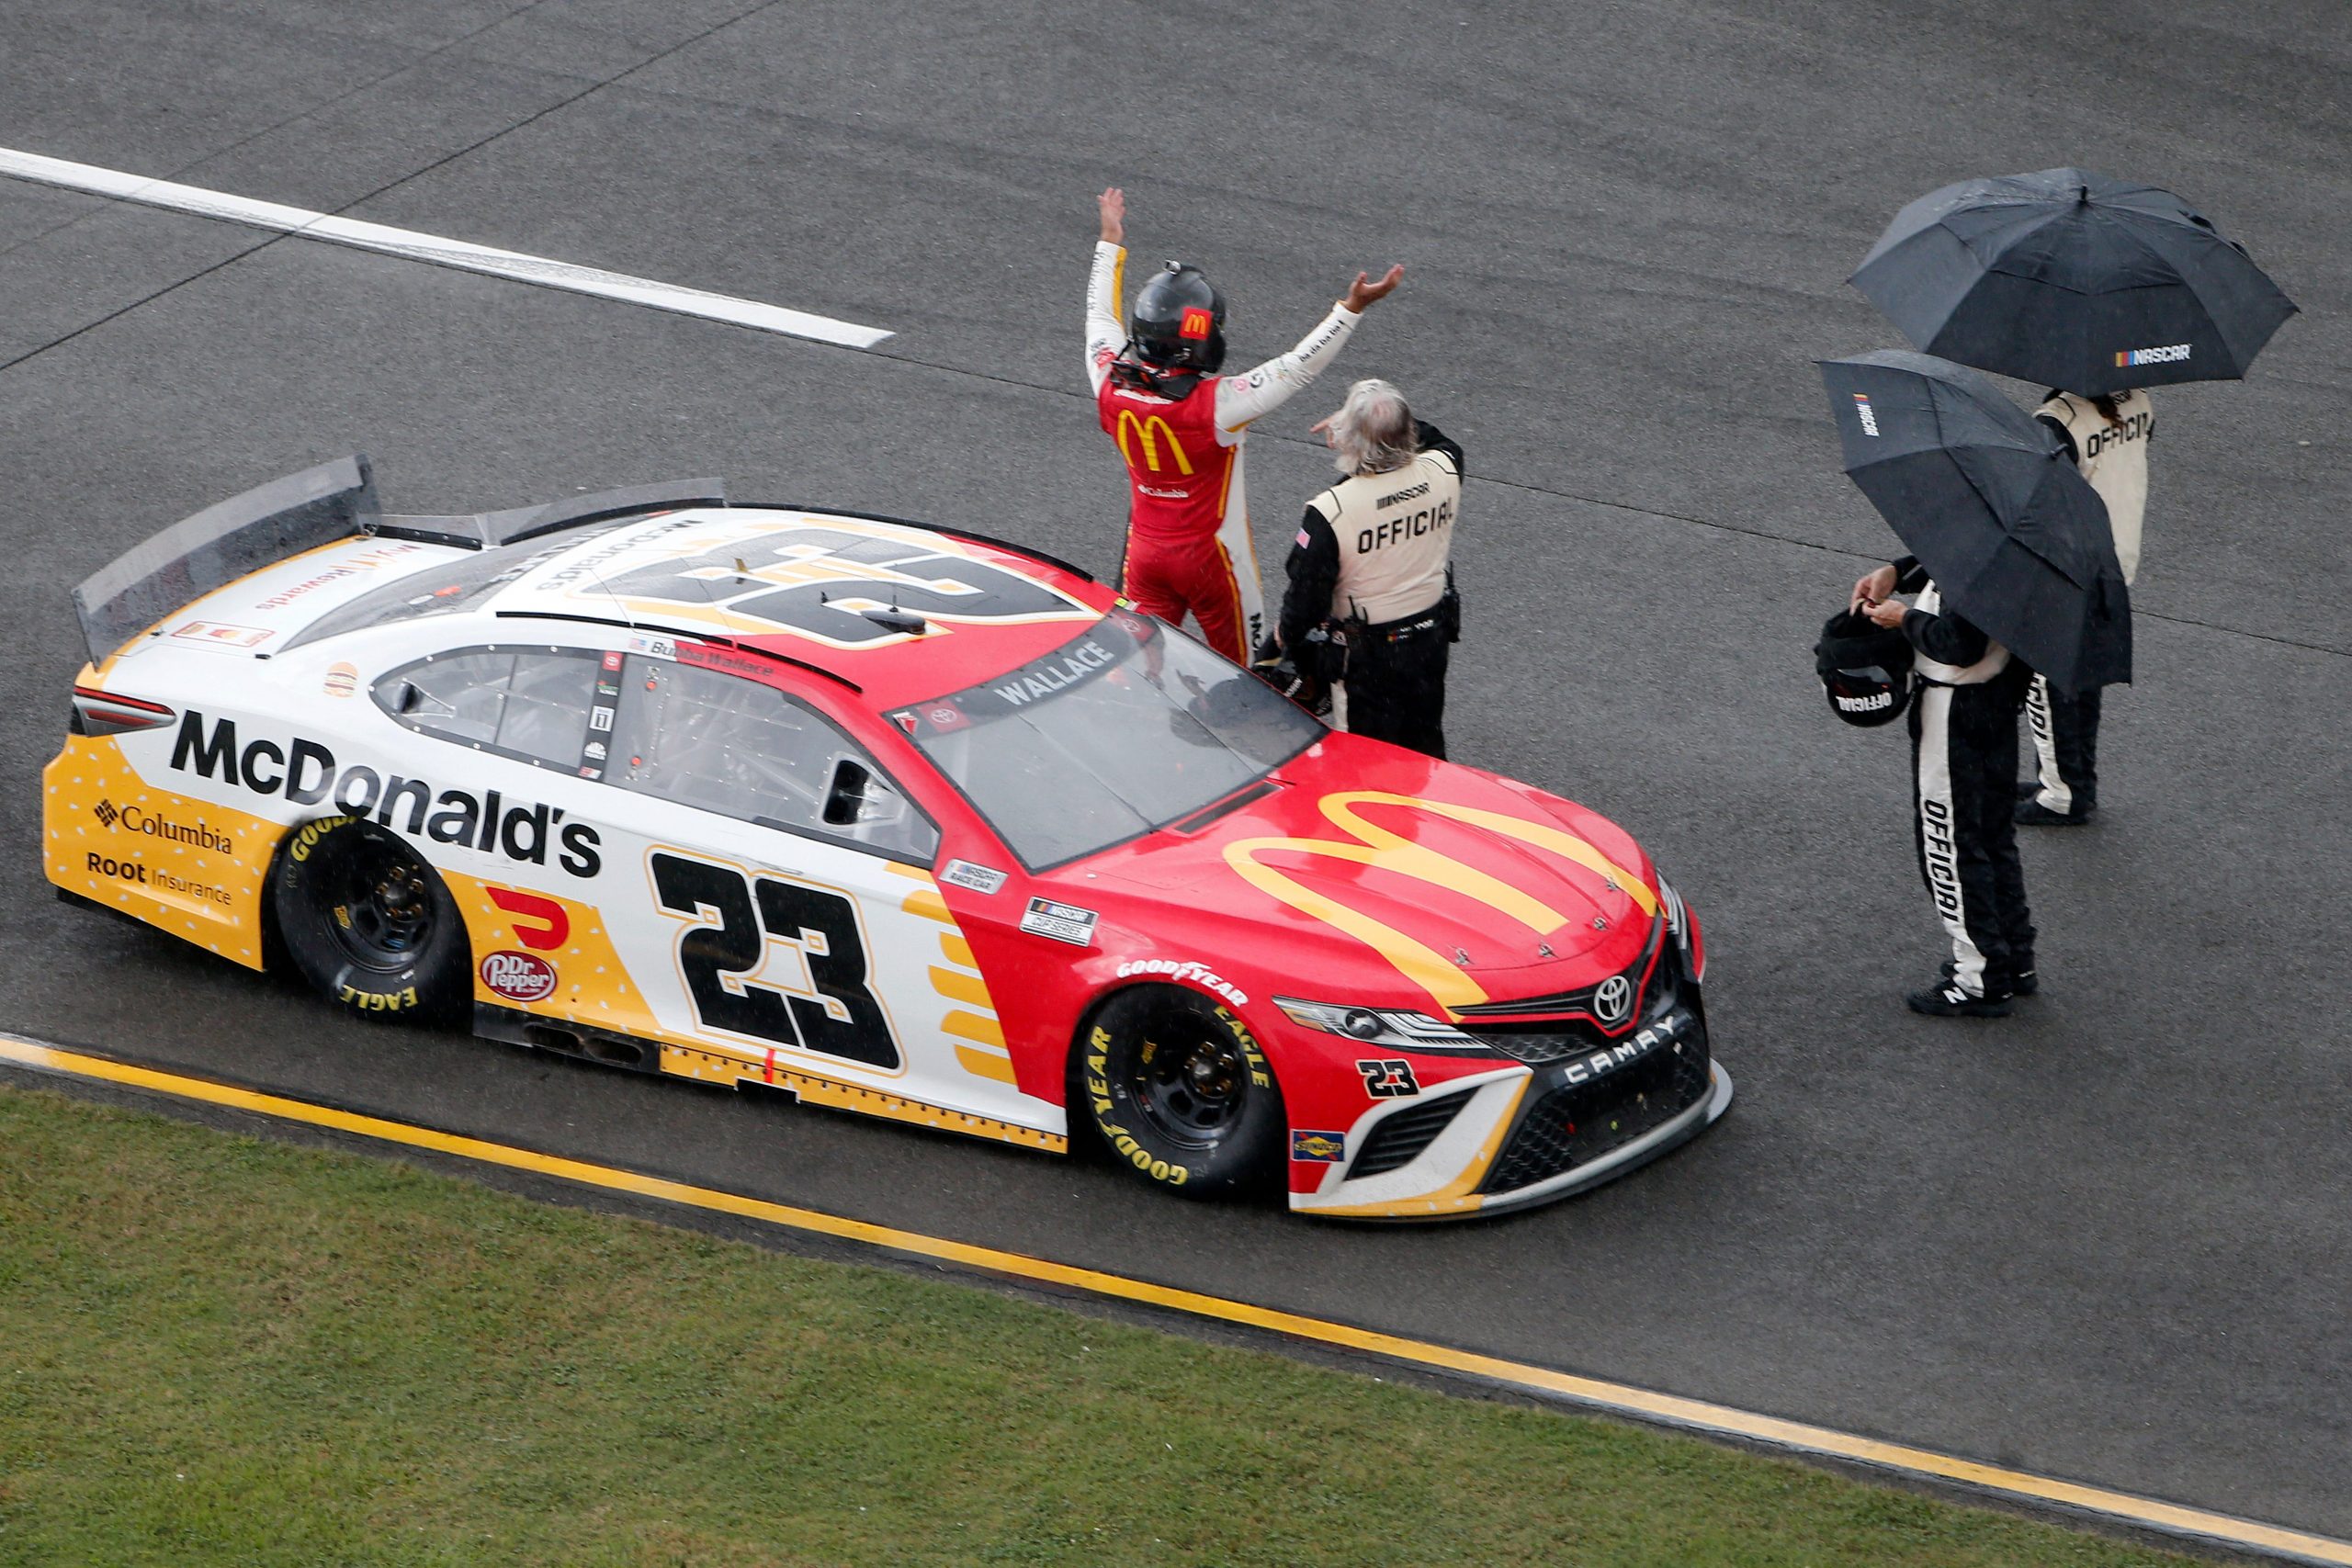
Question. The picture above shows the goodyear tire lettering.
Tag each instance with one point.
(1140, 1066)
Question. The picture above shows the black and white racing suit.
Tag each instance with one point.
(1963, 767)
(1375, 552)
(2114, 456)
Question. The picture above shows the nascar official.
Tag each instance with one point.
(1179, 426)
(1372, 569)
(2108, 437)
(1964, 763)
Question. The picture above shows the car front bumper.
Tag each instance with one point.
(1519, 1135)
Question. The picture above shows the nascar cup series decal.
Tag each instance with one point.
(1063, 922)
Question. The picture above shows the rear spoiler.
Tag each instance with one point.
(221, 544)
(484, 530)
(303, 511)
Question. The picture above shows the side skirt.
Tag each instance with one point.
(571, 1039)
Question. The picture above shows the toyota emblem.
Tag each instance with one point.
(1612, 1000)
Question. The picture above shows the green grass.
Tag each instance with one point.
(217, 1349)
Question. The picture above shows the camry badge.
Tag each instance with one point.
(1612, 1000)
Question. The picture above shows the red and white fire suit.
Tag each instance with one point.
(1188, 530)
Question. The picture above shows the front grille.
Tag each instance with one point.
(1577, 1124)
(1543, 1043)
(1399, 1137)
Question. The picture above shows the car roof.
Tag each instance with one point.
(897, 611)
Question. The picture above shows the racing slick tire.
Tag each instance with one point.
(370, 922)
(1181, 1093)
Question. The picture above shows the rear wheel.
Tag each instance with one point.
(368, 921)
(1180, 1092)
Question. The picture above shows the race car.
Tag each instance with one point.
(889, 817)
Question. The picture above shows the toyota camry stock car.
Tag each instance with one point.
(893, 819)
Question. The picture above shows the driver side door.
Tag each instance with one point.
(793, 923)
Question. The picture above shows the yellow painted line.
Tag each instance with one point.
(2123, 1507)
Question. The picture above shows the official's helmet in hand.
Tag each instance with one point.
(1865, 670)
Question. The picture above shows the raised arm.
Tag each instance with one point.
(1254, 393)
(1105, 283)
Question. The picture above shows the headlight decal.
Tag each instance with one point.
(1379, 1026)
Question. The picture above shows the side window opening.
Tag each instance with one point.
(531, 703)
(716, 741)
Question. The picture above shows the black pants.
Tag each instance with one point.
(2066, 746)
(1963, 768)
(1396, 688)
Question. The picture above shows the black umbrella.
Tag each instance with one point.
(1985, 496)
(2074, 280)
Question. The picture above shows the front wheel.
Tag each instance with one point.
(368, 921)
(1180, 1091)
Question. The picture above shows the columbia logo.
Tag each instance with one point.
(1870, 420)
(105, 811)
(2170, 353)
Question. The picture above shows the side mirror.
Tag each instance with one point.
(406, 697)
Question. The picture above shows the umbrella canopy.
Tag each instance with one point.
(2074, 280)
(1985, 496)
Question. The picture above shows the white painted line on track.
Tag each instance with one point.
(433, 250)
(1570, 1388)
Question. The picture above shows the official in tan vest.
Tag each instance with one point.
(2108, 437)
(1373, 563)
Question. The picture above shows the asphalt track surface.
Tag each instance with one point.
(2108, 1238)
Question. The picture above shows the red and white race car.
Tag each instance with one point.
(897, 818)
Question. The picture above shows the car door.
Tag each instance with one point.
(789, 925)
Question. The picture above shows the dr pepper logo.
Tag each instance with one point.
(519, 976)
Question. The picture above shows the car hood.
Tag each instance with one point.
(1361, 873)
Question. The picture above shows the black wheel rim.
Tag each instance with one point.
(1190, 1081)
(382, 915)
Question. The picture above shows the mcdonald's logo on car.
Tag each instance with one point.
(1151, 430)
(1369, 844)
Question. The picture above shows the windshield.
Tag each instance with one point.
(447, 588)
(1124, 728)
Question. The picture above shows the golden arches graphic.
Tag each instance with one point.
(1381, 846)
(1146, 428)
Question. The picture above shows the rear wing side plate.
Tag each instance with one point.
(486, 530)
(221, 544)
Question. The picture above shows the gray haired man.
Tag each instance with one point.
(1372, 562)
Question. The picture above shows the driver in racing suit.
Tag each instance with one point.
(1179, 426)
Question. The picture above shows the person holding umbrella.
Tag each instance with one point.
(2015, 573)
(2108, 436)
(2076, 280)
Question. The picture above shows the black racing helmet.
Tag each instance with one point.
(1178, 322)
(1865, 670)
